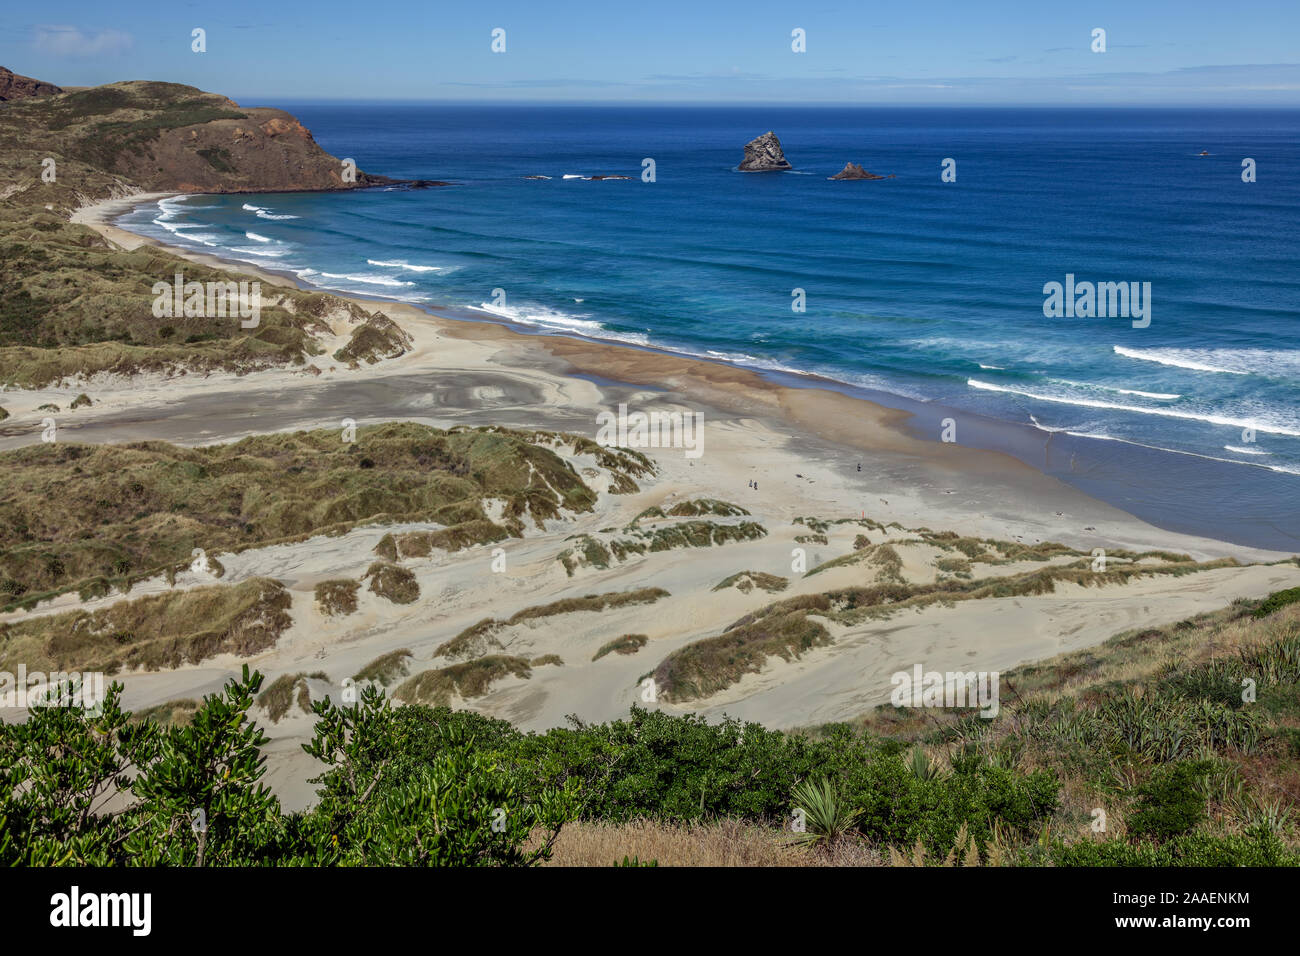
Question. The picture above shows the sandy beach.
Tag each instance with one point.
(811, 452)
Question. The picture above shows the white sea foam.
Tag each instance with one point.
(402, 264)
(176, 228)
(202, 238)
(540, 315)
(1048, 428)
(167, 207)
(1280, 362)
(367, 279)
(1161, 396)
(545, 318)
(264, 212)
(1276, 428)
(261, 253)
(1246, 451)
(1182, 451)
(256, 238)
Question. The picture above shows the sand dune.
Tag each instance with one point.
(802, 446)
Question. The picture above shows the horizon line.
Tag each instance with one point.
(817, 104)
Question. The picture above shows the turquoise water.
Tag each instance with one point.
(925, 294)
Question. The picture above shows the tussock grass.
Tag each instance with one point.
(377, 338)
(281, 694)
(729, 843)
(589, 551)
(708, 666)
(1107, 717)
(480, 637)
(420, 544)
(694, 508)
(154, 632)
(475, 641)
(75, 513)
(471, 679)
(386, 668)
(393, 582)
(785, 629)
(338, 597)
(746, 581)
(589, 602)
(173, 713)
(627, 644)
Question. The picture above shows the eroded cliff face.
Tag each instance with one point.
(14, 86)
(255, 149)
(165, 136)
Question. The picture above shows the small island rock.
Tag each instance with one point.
(763, 154)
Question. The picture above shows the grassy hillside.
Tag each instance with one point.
(73, 304)
(94, 518)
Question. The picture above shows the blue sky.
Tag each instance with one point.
(1192, 52)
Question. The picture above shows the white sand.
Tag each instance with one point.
(478, 374)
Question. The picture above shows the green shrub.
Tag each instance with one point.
(1276, 601)
(1171, 803)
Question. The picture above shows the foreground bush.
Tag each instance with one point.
(421, 786)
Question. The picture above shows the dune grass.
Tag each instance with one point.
(386, 668)
(626, 644)
(746, 581)
(393, 582)
(480, 637)
(281, 694)
(73, 515)
(337, 597)
(467, 680)
(786, 629)
(154, 632)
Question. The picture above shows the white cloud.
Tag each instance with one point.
(71, 41)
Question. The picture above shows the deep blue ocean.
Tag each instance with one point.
(923, 292)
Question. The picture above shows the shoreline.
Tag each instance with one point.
(811, 404)
(795, 458)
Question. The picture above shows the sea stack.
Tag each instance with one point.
(854, 171)
(763, 155)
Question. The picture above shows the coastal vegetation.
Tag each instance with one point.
(627, 644)
(153, 632)
(1140, 752)
(97, 518)
(602, 550)
(73, 304)
(746, 581)
(481, 637)
(337, 597)
(386, 668)
(790, 627)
